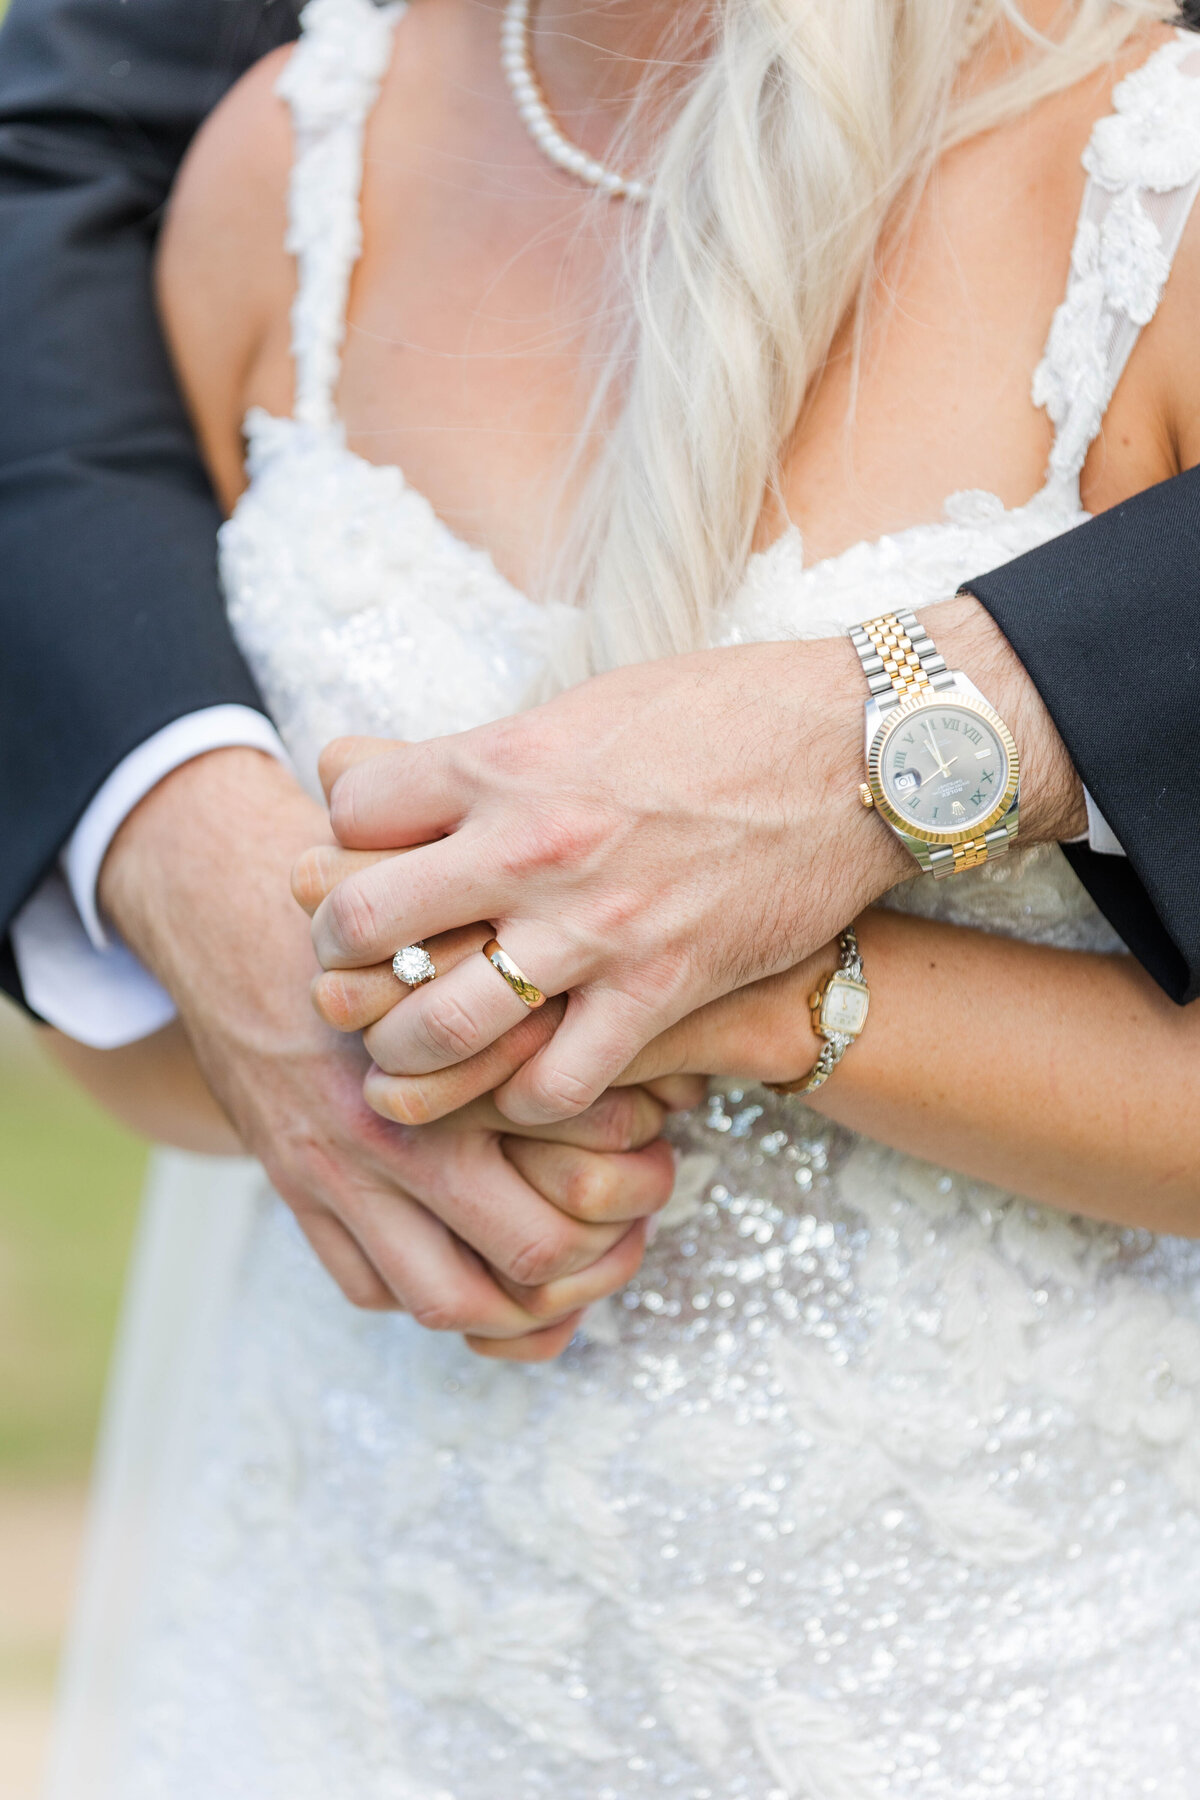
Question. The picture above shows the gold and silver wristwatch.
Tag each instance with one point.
(942, 767)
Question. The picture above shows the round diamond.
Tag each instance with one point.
(413, 965)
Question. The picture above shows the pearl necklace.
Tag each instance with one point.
(516, 59)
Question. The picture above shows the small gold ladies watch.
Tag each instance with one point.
(942, 767)
(839, 1011)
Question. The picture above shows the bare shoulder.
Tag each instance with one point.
(224, 277)
(1152, 426)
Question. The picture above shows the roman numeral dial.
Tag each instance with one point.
(943, 767)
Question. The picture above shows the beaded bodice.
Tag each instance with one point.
(876, 1481)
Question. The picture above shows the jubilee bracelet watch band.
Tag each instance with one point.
(898, 657)
(900, 660)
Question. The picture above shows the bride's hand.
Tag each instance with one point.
(410, 1082)
(604, 1173)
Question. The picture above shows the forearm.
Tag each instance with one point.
(1064, 1076)
(112, 619)
(155, 1088)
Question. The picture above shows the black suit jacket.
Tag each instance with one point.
(111, 623)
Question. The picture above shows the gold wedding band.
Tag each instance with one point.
(521, 986)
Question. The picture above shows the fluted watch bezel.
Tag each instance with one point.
(901, 715)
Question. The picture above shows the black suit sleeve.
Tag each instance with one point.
(111, 623)
(1107, 621)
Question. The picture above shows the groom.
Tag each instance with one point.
(149, 819)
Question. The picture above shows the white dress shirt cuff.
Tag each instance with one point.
(216, 728)
(1099, 835)
(75, 974)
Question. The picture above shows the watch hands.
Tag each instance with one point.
(937, 755)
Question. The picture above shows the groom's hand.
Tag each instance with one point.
(197, 883)
(648, 841)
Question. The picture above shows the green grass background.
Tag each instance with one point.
(69, 1185)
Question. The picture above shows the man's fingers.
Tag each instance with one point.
(319, 870)
(362, 1285)
(464, 1177)
(554, 1299)
(440, 1281)
(421, 1099)
(595, 1188)
(345, 753)
(602, 1033)
(403, 899)
(408, 794)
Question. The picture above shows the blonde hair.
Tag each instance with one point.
(799, 135)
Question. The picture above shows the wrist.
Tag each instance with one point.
(1052, 802)
(865, 858)
(206, 827)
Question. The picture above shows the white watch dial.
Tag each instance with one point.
(945, 767)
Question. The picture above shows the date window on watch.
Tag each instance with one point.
(906, 782)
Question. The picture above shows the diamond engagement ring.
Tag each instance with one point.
(413, 965)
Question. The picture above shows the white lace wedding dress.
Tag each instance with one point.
(876, 1482)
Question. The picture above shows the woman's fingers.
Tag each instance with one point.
(420, 1099)
(467, 1007)
(355, 999)
(599, 1189)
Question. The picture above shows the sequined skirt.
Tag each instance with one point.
(875, 1482)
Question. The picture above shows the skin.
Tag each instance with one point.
(475, 314)
(444, 1223)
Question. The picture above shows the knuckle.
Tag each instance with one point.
(333, 758)
(544, 1305)
(448, 1028)
(445, 1314)
(398, 1098)
(552, 838)
(562, 1093)
(590, 1192)
(542, 1259)
(354, 917)
(617, 1116)
(513, 747)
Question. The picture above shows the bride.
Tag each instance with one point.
(871, 1477)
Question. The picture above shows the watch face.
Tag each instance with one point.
(944, 768)
(844, 1007)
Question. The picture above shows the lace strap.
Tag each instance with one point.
(331, 82)
(1143, 167)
